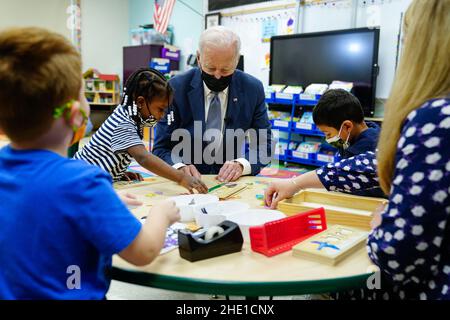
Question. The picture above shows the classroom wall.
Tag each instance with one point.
(49, 14)
(187, 24)
(249, 29)
(389, 17)
(320, 18)
(104, 26)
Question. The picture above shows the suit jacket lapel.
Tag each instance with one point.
(234, 92)
(196, 98)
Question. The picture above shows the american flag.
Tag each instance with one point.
(162, 13)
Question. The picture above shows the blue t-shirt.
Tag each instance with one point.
(59, 219)
(366, 141)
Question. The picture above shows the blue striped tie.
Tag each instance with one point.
(214, 120)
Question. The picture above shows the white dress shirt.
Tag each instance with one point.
(223, 97)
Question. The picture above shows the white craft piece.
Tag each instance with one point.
(276, 88)
(316, 88)
(254, 217)
(188, 203)
(216, 213)
(347, 86)
(213, 231)
(293, 89)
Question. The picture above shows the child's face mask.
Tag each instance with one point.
(149, 122)
(78, 132)
(338, 142)
(155, 112)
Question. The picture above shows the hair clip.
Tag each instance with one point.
(134, 109)
(170, 118)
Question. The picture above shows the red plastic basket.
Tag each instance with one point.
(279, 236)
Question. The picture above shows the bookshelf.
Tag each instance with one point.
(297, 132)
(101, 89)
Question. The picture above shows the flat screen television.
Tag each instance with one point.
(344, 55)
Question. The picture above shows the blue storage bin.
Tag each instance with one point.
(281, 144)
(279, 157)
(162, 65)
(305, 125)
(282, 125)
(307, 99)
(285, 98)
(270, 97)
(306, 129)
(323, 158)
(302, 155)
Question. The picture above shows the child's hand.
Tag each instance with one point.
(130, 200)
(278, 191)
(377, 217)
(190, 183)
(132, 176)
(167, 210)
(191, 170)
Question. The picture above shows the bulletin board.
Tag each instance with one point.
(315, 17)
(222, 4)
(255, 31)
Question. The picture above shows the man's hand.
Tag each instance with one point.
(230, 171)
(191, 170)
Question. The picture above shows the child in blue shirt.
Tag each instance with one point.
(60, 220)
(339, 115)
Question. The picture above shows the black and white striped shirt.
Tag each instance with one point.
(108, 146)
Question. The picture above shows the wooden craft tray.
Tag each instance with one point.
(345, 245)
(339, 208)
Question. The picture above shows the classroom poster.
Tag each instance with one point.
(289, 27)
(269, 29)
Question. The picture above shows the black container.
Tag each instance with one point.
(195, 247)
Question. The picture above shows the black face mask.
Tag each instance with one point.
(214, 84)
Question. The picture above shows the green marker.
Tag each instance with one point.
(215, 187)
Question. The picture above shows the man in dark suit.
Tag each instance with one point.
(215, 106)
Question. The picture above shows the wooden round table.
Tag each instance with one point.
(245, 273)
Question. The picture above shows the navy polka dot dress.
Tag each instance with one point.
(412, 245)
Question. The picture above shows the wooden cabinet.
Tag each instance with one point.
(135, 57)
(101, 89)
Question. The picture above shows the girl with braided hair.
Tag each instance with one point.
(147, 95)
